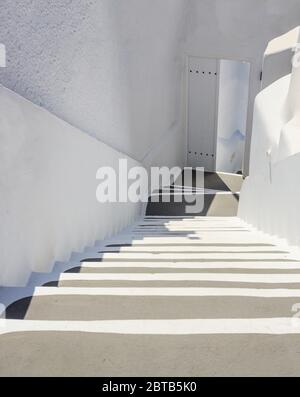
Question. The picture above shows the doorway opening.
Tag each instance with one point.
(218, 92)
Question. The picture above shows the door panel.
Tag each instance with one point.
(233, 102)
(202, 101)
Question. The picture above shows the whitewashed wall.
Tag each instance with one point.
(115, 68)
(48, 205)
(271, 194)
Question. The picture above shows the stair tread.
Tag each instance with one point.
(264, 325)
(178, 291)
(178, 355)
(89, 308)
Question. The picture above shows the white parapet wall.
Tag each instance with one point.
(48, 205)
(270, 196)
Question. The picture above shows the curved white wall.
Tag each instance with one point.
(48, 205)
(271, 194)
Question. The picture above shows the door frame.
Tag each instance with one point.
(218, 59)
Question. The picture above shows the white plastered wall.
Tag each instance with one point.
(48, 206)
(112, 68)
(115, 69)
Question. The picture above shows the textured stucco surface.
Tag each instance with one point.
(48, 205)
(115, 68)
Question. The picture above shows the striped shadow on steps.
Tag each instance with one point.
(229, 279)
(199, 299)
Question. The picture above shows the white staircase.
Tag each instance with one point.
(185, 290)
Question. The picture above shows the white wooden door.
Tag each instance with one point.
(202, 112)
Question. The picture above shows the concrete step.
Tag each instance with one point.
(196, 222)
(194, 256)
(75, 353)
(111, 284)
(94, 263)
(193, 237)
(222, 277)
(181, 279)
(218, 204)
(148, 291)
(244, 240)
(278, 326)
(185, 233)
(94, 308)
(193, 248)
(194, 218)
(170, 267)
(203, 221)
(188, 228)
